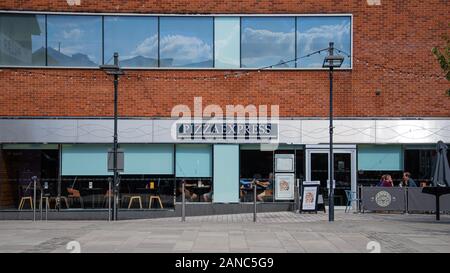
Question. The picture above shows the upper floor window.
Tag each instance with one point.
(22, 39)
(74, 40)
(315, 33)
(268, 41)
(186, 42)
(134, 38)
(142, 41)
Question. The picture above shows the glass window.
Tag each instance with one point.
(134, 38)
(315, 33)
(256, 167)
(186, 42)
(22, 39)
(74, 40)
(226, 42)
(268, 41)
(196, 190)
(20, 165)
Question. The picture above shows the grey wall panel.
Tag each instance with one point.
(160, 131)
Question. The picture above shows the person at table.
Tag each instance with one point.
(267, 185)
(407, 181)
(191, 196)
(207, 197)
(246, 184)
(387, 181)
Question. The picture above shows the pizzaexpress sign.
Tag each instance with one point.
(227, 130)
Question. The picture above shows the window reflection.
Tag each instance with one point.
(268, 41)
(74, 40)
(186, 42)
(315, 33)
(22, 39)
(227, 42)
(134, 38)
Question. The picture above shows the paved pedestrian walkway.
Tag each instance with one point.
(274, 232)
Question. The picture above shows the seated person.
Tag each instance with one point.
(267, 185)
(387, 181)
(407, 181)
(191, 196)
(207, 197)
(246, 185)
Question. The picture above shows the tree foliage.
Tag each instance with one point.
(443, 56)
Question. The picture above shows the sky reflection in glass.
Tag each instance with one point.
(74, 40)
(186, 42)
(315, 33)
(134, 38)
(267, 41)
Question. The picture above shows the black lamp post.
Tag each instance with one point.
(331, 61)
(116, 72)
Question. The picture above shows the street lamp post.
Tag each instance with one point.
(331, 61)
(116, 72)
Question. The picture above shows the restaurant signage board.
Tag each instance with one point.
(310, 194)
(227, 130)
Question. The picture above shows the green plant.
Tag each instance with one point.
(443, 56)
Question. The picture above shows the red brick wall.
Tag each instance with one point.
(397, 34)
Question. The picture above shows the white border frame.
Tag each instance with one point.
(291, 189)
(190, 15)
(285, 156)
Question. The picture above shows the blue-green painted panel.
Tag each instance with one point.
(85, 159)
(380, 157)
(148, 159)
(226, 173)
(193, 160)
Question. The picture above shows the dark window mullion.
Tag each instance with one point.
(103, 39)
(46, 41)
(214, 42)
(159, 42)
(295, 49)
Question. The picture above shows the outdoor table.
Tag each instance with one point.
(437, 192)
(92, 191)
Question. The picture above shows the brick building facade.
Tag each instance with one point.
(391, 102)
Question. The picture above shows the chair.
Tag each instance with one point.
(45, 198)
(132, 198)
(155, 197)
(351, 196)
(25, 197)
(22, 202)
(75, 194)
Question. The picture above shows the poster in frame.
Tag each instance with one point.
(284, 163)
(284, 186)
(310, 195)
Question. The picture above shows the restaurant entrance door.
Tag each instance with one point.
(317, 168)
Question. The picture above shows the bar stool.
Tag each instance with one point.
(132, 198)
(155, 197)
(46, 199)
(22, 202)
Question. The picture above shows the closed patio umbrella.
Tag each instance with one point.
(441, 172)
(441, 176)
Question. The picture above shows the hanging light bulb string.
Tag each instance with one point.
(235, 74)
(390, 69)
